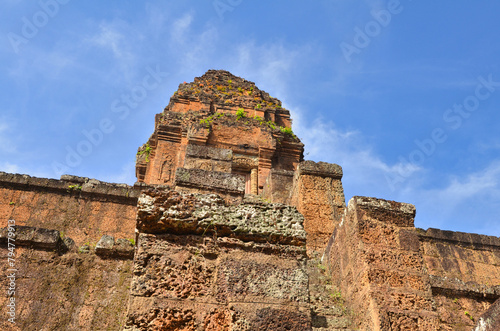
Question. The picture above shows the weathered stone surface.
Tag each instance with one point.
(82, 214)
(66, 292)
(461, 238)
(281, 320)
(173, 212)
(207, 152)
(321, 169)
(320, 198)
(223, 281)
(105, 244)
(490, 320)
(398, 213)
(35, 237)
(168, 319)
(374, 258)
(108, 247)
(278, 186)
(457, 287)
(211, 180)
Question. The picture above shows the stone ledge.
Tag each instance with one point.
(73, 184)
(107, 247)
(397, 213)
(210, 180)
(456, 287)
(37, 238)
(280, 172)
(472, 240)
(207, 214)
(322, 169)
(206, 152)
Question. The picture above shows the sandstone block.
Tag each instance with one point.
(322, 169)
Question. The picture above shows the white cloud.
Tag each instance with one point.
(109, 37)
(461, 191)
(121, 41)
(7, 145)
(180, 27)
(9, 167)
(365, 172)
(126, 175)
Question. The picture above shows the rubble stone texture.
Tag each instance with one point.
(229, 228)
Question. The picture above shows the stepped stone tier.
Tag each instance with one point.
(228, 228)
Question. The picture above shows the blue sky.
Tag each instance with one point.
(404, 95)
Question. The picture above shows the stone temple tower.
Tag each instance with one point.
(220, 123)
(222, 134)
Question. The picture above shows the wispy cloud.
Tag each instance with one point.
(126, 175)
(119, 39)
(7, 145)
(365, 171)
(9, 167)
(460, 190)
(180, 28)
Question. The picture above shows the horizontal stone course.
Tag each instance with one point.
(173, 212)
(107, 246)
(207, 152)
(461, 238)
(38, 238)
(456, 287)
(203, 179)
(319, 169)
(73, 184)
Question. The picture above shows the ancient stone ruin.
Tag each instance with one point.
(229, 228)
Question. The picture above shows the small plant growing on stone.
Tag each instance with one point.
(336, 295)
(271, 124)
(12, 203)
(132, 241)
(240, 90)
(258, 118)
(75, 187)
(288, 131)
(240, 113)
(146, 151)
(259, 106)
(208, 121)
(469, 315)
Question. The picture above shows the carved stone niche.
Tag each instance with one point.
(247, 166)
(244, 163)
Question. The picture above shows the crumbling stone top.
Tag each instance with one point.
(375, 203)
(207, 214)
(73, 185)
(397, 213)
(223, 88)
(323, 169)
(461, 238)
